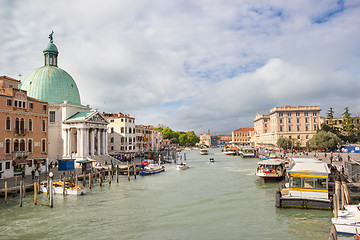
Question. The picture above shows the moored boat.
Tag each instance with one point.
(152, 168)
(306, 186)
(271, 168)
(182, 166)
(229, 151)
(348, 220)
(247, 152)
(58, 188)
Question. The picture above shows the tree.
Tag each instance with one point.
(183, 139)
(325, 140)
(192, 139)
(348, 123)
(284, 143)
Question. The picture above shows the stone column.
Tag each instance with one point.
(80, 135)
(104, 140)
(98, 149)
(92, 151)
(65, 137)
(68, 142)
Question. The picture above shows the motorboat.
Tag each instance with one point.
(204, 151)
(230, 151)
(152, 168)
(211, 160)
(348, 220)
(58, 188)
(271, 168)
(306, 185)
(182, 166)
(247, 152)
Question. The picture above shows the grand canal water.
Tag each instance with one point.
(224, 200)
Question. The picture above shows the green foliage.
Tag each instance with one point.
(324, 140)
(330, 113)
(182, 138)
(348, 123)
(284, 143)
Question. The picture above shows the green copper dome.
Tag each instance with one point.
(51, 83)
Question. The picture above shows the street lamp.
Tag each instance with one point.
(50, 189)
(339, 151)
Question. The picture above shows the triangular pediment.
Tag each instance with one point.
(96, 117)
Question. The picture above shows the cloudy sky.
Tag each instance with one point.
(193, 65)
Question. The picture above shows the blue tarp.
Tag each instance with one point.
(66, 165)
(353, 149)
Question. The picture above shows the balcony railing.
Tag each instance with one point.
(20, 132)
(20, 154)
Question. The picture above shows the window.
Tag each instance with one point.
(17, 126)
(43, 146)
(306, 114)
(122, 129)
(16, 145)
(280, 114)
(24, 104)
(52, 116)
(289, 120)
(112, 148)
(122, 120)
(307, 136)
(30, 146)
(315, 119)
(7, 165)
(295, 182)
(15, 103)
(22, 126)
(129, 130)
(281, 128)
(314, 113)
(7, 146)
(289, 114)
(31, 105)
(298, 120)
(112, 139)
(306, 120)
(315, 127)
(22, 145)
(298, 137)
(8, 102)
(30, 125)
(112, 120)
(44, 107)
(289, 128)
(112, 130)
(280, 120)
(43, 125)
(298, 128)
(8, 124)
(297, 114)
(306, 127)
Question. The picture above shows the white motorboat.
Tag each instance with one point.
(204, 151)
(58, 188)
(247, 152)
(271, 168)
(229, 151)
(152, 168)
(182, 166)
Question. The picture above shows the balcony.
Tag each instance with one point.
(20, 132)
(20, 154)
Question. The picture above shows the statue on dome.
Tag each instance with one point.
(51, 36)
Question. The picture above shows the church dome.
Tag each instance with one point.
(51, 83)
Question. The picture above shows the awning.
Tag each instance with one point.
(1, 171)
(84, 161)
(39, 160)
(20, 161)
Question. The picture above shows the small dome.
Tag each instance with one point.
(51, 48)
(52, 84)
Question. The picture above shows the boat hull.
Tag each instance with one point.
(346, 229)
(60, 190)
(149, 172)
(304, 203)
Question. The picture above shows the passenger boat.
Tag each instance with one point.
(182, 166)
(247, 152)
(306, 186)
(204, 151)
(58, 188)
(348, 220)
(271, 168)
(152, 168)
(229, 151)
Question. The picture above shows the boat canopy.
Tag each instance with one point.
(309, 167)
(272, 162)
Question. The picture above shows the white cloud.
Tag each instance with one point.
(193, 65)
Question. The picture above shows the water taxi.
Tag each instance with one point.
(204, 151)
(247, 152)
(306, 185)
(152, 168)
(182, 166)
(58, 188)
(271, 168)
(211, 160)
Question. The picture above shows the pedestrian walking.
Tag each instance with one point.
(32, 174)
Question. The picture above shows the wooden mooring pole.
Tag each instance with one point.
(117, 174)
(6, 189)
(128, 168)
(21, 193)
(89, 180)
(35, 193)
(109, 175)
(134, 166)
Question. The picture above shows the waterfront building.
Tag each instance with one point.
(225, 139)
(23, 130)
(148, 139)
(297, 122)
(243, 137)
(75, 131)
(337, 123)
(209, 140)
(121, 134)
